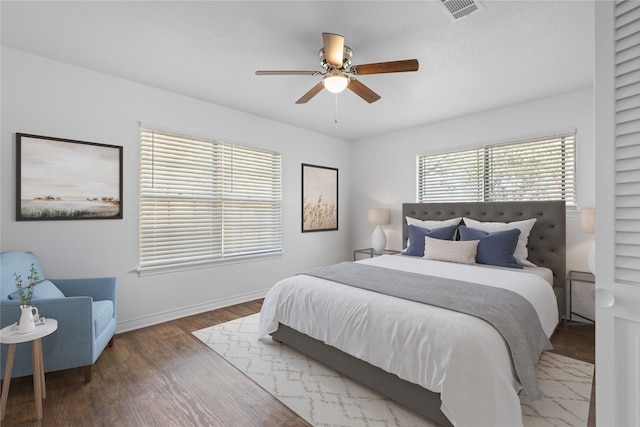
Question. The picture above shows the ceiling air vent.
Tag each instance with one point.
(458, 9)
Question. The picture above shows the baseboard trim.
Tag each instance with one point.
(154, 319)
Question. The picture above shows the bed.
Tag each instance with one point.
(427, 365)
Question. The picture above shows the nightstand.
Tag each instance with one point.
(581, 277)
(370, 253)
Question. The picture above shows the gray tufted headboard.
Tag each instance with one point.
(547, 240)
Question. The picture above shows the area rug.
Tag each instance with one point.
(324, 397)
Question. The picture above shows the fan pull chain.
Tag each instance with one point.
(335, 120)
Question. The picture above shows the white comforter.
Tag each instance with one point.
(460, 356)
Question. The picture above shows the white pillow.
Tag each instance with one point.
(462, 252)
(431, 224)
(521, 253)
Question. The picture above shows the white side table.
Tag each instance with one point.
(10, 335)
(371, 253)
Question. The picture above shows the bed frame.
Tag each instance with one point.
(547, 248)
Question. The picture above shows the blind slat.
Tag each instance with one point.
(536, 169)
(204, 200)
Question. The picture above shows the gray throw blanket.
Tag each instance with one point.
(508, 312)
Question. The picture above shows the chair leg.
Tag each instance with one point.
(87, 369)
(87, 373)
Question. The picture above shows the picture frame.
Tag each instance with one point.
(319, 198)
(65, 179)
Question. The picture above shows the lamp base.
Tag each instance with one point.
(378, 240)
(591, 259)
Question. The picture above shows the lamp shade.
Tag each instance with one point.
(379, 216)
(588, 225)
(588, 220)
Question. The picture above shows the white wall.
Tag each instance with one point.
(50, 98)
(45, 97)
(384, 167)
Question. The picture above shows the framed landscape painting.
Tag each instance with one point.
(319, 198)
(58, 179)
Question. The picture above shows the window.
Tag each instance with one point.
(537, 169)
(204, 201)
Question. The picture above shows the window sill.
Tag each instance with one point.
(240, 259)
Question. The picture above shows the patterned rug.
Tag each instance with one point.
(325, 397)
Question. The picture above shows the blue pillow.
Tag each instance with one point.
(43, 290)
(417, 235)
(495, 248)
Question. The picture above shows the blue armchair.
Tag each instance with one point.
(84, 308)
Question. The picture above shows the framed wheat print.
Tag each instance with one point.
(62, 179)
(319, 198)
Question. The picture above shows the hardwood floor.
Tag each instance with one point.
(164, 376)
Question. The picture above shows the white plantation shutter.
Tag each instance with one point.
(203, 201)
(627, 142)
(536, 169)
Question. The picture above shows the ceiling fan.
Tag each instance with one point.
(335, 59)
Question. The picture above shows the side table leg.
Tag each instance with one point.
(567, 294)
(37, 375)
(11, 354)
(41, 359)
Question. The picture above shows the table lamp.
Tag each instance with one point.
(379, 217)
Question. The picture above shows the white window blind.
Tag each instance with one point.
(536, 169)
(627, 142)
(203, 201)
(451, 177)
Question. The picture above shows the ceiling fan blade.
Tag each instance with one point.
(333, 48)
(385, 67)
(287, 73)
(313, 92)
(362, 91)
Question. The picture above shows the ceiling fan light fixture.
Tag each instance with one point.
(335, 58)
(335, 82)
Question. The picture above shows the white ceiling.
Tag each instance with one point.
(508, 52)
